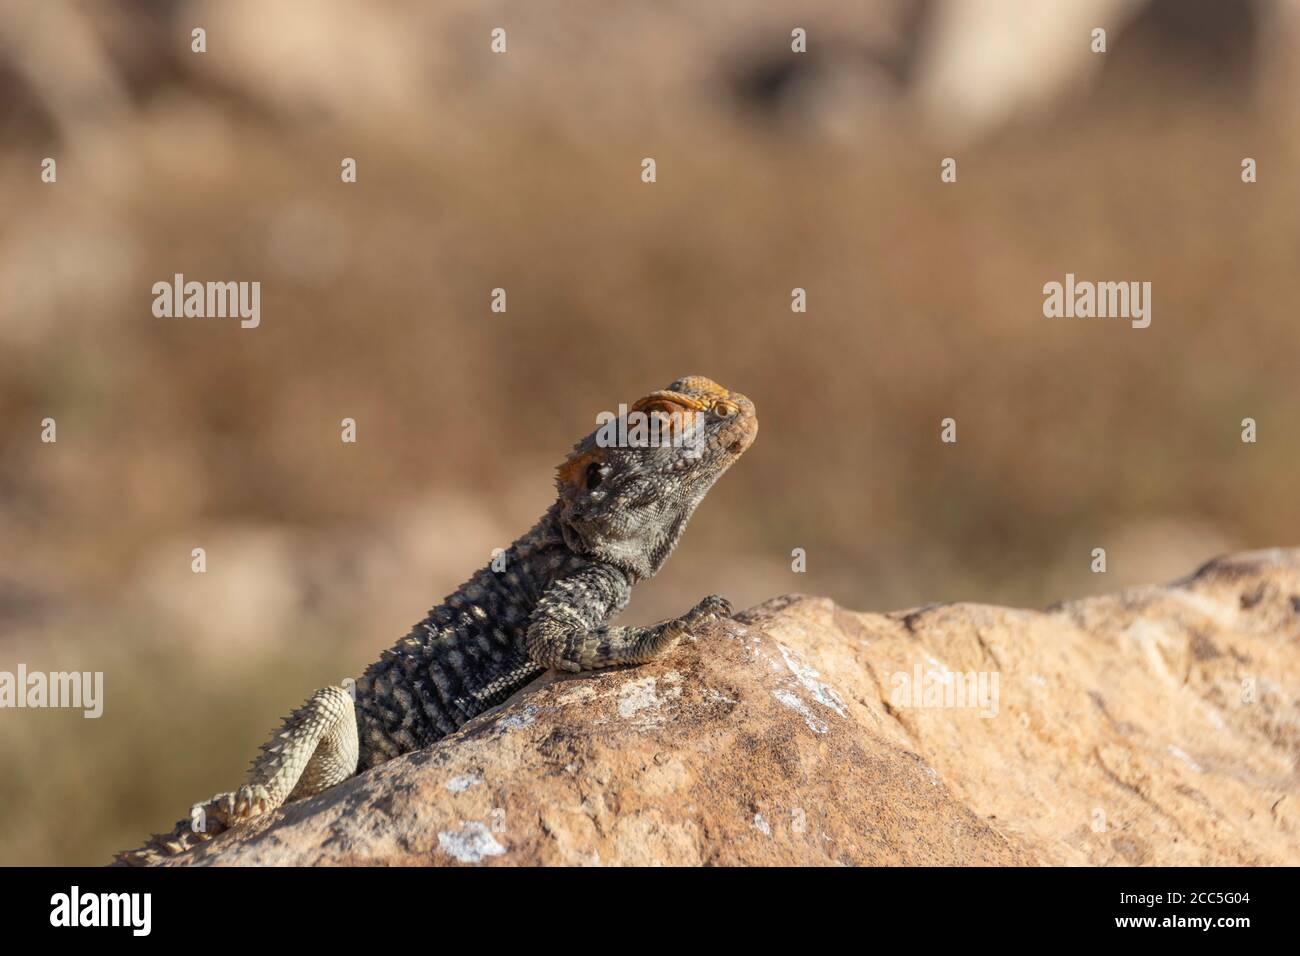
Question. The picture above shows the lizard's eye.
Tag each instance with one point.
(595, 474)
(724, 409)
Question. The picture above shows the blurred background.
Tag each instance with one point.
(522, 170)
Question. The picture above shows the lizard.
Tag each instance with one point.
(621, 506)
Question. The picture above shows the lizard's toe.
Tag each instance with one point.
(251, 800)
(713, 608)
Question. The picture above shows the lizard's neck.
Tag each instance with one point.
(541, 541)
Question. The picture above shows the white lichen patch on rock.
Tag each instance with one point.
(824, 694)
(794, 702)
(717, 697)
(463, 782)
(642, 700)
(1155, 638)
(1186, 758)
(578, 695)
(470, 843)
(524, 718)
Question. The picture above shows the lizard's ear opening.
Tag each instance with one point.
(580, 473)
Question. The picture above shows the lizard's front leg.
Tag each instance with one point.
(567, 630)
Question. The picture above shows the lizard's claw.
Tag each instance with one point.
(713, 608)
(252, 800)
(225, 810)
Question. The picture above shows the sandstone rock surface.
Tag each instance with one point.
(1155, 726)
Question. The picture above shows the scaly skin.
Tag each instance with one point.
(619, 513)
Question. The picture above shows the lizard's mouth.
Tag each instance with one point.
(740, 435)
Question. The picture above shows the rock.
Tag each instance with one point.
(1155, 726)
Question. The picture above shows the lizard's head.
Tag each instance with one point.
(629, 488)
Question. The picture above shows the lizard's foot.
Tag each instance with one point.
(229, 809)
(713, 608)
(252, 800)
(206, 820)
(656, 642)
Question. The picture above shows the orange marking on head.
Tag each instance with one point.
(666, 401)
(574, 470)
(699, 384)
